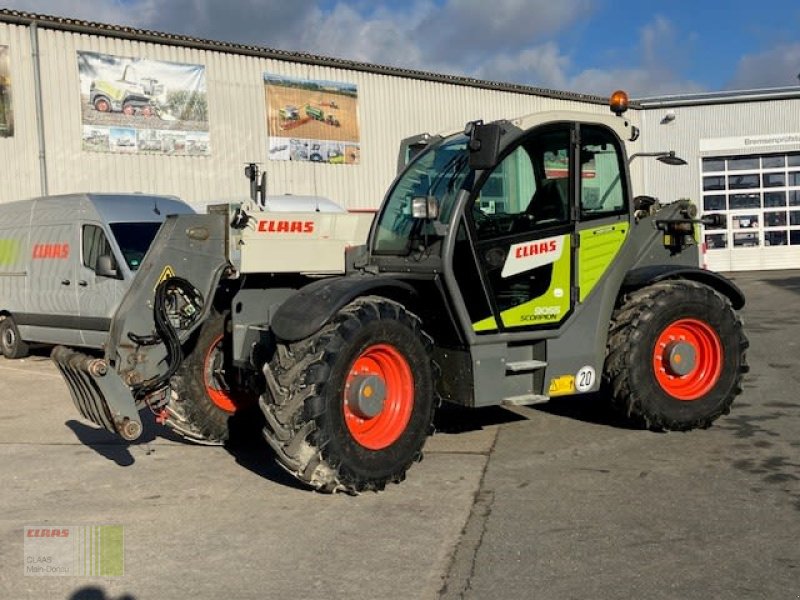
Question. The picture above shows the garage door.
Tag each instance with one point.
(759, 197)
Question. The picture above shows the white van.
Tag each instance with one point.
(66, 261)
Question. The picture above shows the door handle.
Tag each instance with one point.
(82, 283)
(65, 282)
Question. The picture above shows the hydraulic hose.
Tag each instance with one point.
(166, 332)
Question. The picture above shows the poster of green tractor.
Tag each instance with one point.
(157, 100)
(312, 120)
(6, 111)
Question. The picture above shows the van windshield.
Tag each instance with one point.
(134, 240)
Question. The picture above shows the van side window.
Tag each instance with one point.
(94, 245)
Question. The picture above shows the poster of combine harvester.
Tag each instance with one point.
(312, 120)
(6, 111)
(143, 106)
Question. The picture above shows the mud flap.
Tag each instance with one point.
(98, 393)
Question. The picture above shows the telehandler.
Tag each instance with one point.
(508, 264)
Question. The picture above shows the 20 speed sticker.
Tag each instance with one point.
(584, 380)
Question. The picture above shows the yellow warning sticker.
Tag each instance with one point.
(562, 385)
(165, 274)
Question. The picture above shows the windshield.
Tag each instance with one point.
(134, 240)
(439, 172)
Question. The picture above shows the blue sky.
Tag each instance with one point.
(592, 46)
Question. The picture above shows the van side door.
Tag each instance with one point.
(100, 284)
(51, 311)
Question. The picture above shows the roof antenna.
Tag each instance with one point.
(155, 207)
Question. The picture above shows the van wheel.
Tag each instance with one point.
(208, 391)
(12, 345)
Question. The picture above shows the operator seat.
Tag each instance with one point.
(549, 202)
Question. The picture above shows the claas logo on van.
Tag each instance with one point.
(43, 251)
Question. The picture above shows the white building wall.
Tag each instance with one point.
(695, 132)
(390, 109)
(19, 154)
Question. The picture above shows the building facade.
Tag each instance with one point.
(743, 150)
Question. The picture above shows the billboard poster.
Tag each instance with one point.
(6, 111)
(312, 120)
(143, 106)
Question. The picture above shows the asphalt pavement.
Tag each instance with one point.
(558, 501)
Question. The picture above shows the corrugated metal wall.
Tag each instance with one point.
(686, 132)
(390, 108)
(19, 154)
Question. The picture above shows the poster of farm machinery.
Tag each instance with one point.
(6, 111)
(312, 120)
(138, 105)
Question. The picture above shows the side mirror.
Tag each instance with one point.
(424, 207)
(716, 220)
(106, 266)
(484, 144)
(643, 202)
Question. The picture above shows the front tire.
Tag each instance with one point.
(676, 356)
(350, 408)
(11, 344)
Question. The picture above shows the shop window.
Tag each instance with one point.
(745, 221)
(774, 179)
(772, 199)
(773, 162)
(715, 202)
(746, 240)
(714, 183)
(714, 241)
(775, 218)
(738, 201)
(794, 238)
(711, 165)
(744, 182)
(775, 238)
(743, 163)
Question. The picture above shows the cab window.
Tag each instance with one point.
(602, 186)
(94, 245)
(528, 190)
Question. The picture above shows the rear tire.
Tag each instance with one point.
(319, 418)
(11, 344)
(676, 356)
(206, 393)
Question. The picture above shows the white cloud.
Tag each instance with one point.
(778, 67)
(504, 40)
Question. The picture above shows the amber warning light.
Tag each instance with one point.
(618, 102)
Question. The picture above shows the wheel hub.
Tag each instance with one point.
(366, 395)
(681, 358)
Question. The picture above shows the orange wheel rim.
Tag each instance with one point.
(378, 397)
(218, 394)
(688, 359)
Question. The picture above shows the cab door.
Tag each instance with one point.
(603, 216)
(98, 292)
(520, 275)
